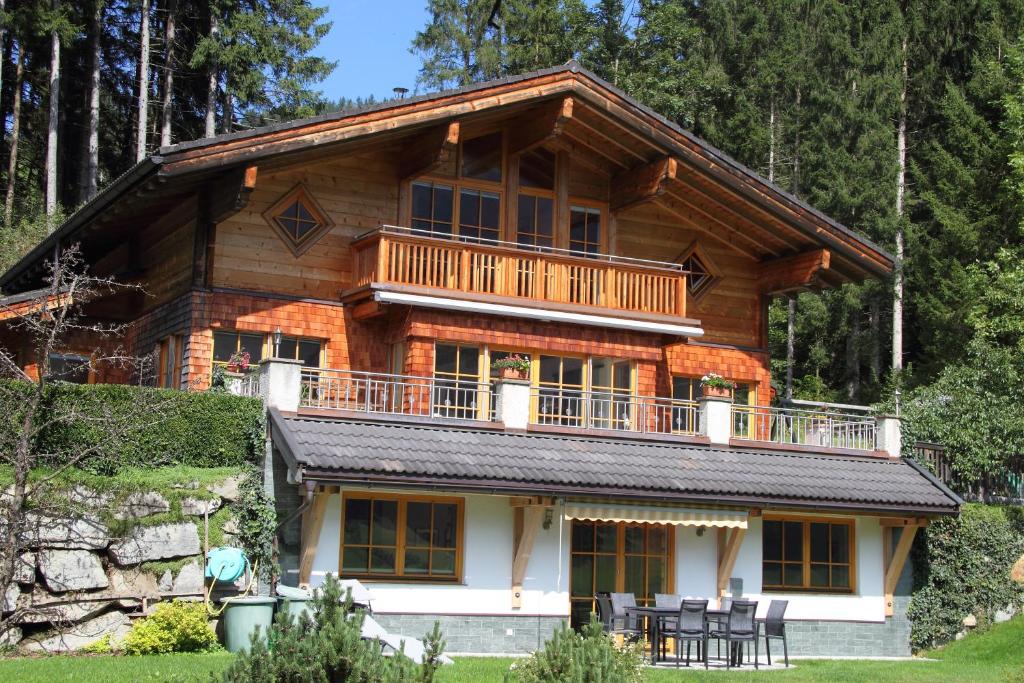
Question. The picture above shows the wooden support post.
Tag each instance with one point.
(562, 208)
(312, 523)
(729, 542)
(895, 559)
(641, 184)
(432, 149)
(539, 126)
(528, 520)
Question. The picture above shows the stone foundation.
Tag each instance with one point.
(477, 634)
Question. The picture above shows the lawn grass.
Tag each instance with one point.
(995, 655)
(109, 669)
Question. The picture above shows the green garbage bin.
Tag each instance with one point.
(242, 617)
(296, 606)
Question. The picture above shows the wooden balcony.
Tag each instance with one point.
(501, 271)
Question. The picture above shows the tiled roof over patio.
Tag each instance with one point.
(326, 449)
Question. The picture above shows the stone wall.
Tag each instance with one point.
(477, 634)
(100, 559)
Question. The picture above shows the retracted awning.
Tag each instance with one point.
(657, 515)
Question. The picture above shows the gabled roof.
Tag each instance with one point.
(650, 133)
(387, 453)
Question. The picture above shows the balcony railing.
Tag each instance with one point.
(417, 258)
(369, 392)
(826, 427)
(607, 410)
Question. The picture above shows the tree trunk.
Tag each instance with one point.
(211, 84)
(796, 147)
(90, 171)
(771, 140)
(168, 94)
(852, 359)
(54, 118)
(901, 186)
(790, 344)
(229, 111)
(12, 158)
(875, 325)
(143, 119)
(3, 36)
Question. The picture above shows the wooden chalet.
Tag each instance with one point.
(375, 265)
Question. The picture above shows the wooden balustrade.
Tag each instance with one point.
(419, 260)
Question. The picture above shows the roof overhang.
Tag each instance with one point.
(531, 313)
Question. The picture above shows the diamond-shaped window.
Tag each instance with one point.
(298, 220)
(701, 273)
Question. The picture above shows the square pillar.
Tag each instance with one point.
(716, 418)
(889, 435)
(513, 403)
(281, 383)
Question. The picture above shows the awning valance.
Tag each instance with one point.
(656, 515)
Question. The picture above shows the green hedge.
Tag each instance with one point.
(962, 567)
(128, 426)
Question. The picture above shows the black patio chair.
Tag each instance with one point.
(690, 626)
(668, 623)
(775, 627)
(606, 615)
(630, 622)
(740, 627)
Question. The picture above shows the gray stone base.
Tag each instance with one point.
(477, 634)
(850, 639)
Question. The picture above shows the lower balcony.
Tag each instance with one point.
(556, 409)
(824, 426)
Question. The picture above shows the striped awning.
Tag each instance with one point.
(657, 515)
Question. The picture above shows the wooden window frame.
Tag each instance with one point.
(304, 196)
(87, 358)
(536, 194)
(620, 558)
(696, 250)
(265, 338)
(269, 345)
(483, 406)
(403, 501)
(806, 586)
(602, 239)
(171, 344)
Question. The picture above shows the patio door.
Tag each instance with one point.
(617, 557)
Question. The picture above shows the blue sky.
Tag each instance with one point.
(370, 40)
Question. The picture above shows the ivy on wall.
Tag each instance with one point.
(961, 568)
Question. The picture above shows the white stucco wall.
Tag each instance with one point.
(487, 566)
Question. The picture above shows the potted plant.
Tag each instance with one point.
(714, 385)
(239, 361)
(512, 367)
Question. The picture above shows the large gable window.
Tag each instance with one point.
(298, 220)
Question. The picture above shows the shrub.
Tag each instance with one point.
(963, 567)
(173, 627)
(585, 657)
(189, 428)
(328, 647)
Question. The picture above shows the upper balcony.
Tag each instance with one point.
(399, 265)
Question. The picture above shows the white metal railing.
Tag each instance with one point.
(371, 392)
(243, 384)
(554, 406)
(828, 426)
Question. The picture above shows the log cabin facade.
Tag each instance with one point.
(376, 264)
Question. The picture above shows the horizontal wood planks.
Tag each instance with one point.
(730, 311)
(359, 192)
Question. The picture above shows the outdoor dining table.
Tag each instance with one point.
(653, 616)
